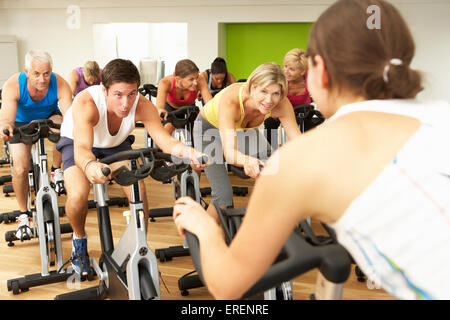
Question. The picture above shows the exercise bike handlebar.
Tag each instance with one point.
(106, 171)
(123, 175)
(307, 111)
(149, 89)
(182, 116)
(163, 171)
(29, 134)
(297, 257)
(153, 159)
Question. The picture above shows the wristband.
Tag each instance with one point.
(87, 163)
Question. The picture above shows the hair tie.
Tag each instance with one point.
(387, 67)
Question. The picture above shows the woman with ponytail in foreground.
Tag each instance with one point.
(377, 171)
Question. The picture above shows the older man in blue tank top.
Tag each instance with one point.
(35, 93)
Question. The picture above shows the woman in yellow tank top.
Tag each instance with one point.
(230, 115)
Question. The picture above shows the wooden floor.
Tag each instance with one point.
(24, 259)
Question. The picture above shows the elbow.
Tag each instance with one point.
(223, 292)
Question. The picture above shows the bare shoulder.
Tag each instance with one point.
(12, 82)
(145, 109)
(167, 80)
(338, 160)
(10, 88)
(84, 106)
(318, 169)
(230, 98)
(202, 80)
(232, 91)
(84, 98)
(231, 78)
(204, 75)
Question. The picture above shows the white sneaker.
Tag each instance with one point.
(57, 178)
(24, 231)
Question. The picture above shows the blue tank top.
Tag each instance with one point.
(29, 110)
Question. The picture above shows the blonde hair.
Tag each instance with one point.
(267, 74)
(91, 69)
(297, 57)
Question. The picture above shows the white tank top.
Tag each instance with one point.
(398, 229)
(102, 137)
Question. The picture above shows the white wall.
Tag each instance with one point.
(9, 64)
(42, 24)
(430, 27)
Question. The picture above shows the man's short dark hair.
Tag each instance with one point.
(120, 70)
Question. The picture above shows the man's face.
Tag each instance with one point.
(120, 98)
(39, 74)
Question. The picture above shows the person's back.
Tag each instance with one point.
(402, 218)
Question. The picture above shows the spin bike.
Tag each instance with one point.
(129, 270)
(301, 252)
(45, 216)
(185, 183)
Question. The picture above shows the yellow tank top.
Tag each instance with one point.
(211, 111)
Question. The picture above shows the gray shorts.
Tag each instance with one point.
(207, 140)
(65, 146)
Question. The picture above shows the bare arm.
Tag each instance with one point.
(271, 216)
(161, 97)
(148, 114)
(229, 114)
(64, 94)
(73, 80)
(230, 78)
(10, 97)
(285, 113)
(204, 90)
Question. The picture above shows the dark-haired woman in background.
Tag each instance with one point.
(218, 76)
(377, 171)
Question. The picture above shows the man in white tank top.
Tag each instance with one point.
(98, 124)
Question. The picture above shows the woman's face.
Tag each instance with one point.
(218, 79)
(189, 82)
(266, 98)
(293, 71)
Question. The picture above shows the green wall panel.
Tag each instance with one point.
(251, 44)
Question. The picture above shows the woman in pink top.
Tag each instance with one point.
(180, 89)
(295, 70)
